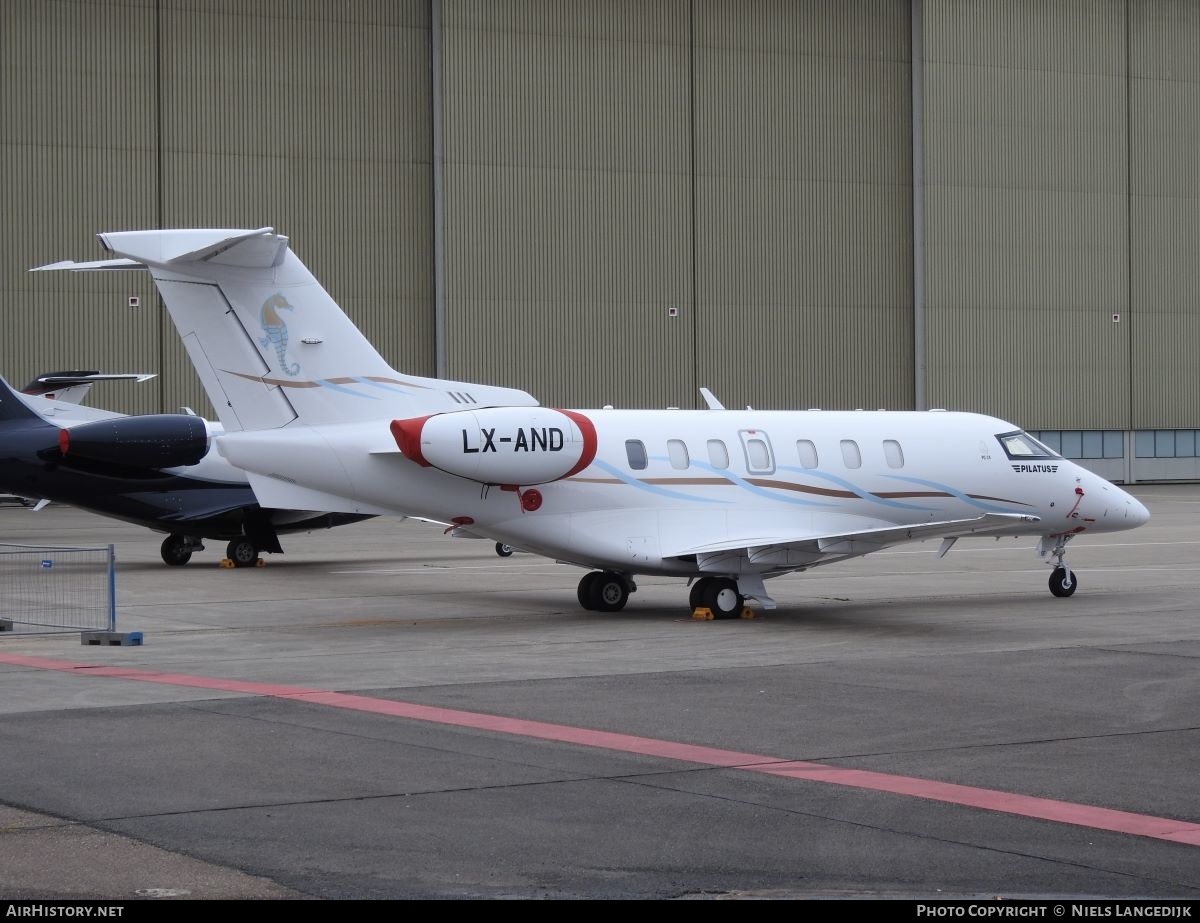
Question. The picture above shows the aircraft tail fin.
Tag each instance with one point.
(270, 345)
(13, 406)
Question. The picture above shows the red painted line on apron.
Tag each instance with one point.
(1065, 812)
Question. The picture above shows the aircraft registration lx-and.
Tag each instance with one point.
(724, 498)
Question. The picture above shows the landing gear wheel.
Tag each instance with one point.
(696, 594)
(608, 592)
(584, 591)
(503, 550)
(176, 550)
(242, 552)
(1063, 582)
(722, 598)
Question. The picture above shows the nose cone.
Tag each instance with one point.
(1136, 513)
(1111, 509)
(1122, 511)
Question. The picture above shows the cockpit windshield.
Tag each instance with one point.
(1020, 445)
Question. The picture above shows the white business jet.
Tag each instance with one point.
(724, 498)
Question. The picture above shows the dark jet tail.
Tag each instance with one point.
(12, 407)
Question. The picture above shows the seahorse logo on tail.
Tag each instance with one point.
(275, 328)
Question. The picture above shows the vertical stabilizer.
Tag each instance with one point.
(268, 342)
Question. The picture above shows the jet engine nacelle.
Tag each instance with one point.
(500, 445)
(162, 440)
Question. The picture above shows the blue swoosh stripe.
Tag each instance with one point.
(384, 386)
(856, 490)
(661, 491)
(325, 383)
(991, 508)
(762, 491)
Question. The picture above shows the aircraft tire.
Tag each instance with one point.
(242, 552)
(1063, 582)
(584, 592)
(175, 550)
(608, 592)
(503, 550)
(696, 594)
(722, 598)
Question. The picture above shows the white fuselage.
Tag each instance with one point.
(663, 484)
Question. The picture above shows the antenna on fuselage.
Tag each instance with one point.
(710, 399)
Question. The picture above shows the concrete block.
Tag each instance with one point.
(112, 638)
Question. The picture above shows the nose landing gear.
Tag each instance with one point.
(1062, 579)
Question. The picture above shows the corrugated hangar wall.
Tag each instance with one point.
(636, 199)
(78, 142)
(1027, 223)
(312, 117)
(627, 222)
(568, 199)
(803, 204)
(1061, 210)
(1164, 203)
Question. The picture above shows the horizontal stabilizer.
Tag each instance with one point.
(73, 386)
(89, 266)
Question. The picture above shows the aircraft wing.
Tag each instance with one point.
(864, 541)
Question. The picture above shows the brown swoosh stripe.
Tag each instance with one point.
(998, 499)
(801, 488)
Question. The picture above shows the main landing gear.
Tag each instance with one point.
(719, 595)
(604, 591)
(1062, 579)
(177, 550)
(242, 552)
(608, 591)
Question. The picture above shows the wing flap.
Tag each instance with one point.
(862, 541)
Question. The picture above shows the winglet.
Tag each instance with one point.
(711, 400)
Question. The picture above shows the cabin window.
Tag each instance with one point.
(807, 450)
(678, 453)
(718, 455)
(893, 453)
(635, 451)
(851, 454)
(1020, 445)
(759, 459)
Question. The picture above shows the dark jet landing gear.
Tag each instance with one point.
(604, 591)
(177, 550)
(242, 552)
(719, 595)
(504, 550)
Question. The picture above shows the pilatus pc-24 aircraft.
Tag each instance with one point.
(723, 498)
(154, 470)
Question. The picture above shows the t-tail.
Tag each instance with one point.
(270, 345)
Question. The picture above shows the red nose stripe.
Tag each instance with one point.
(407, 434)
(588, 431)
